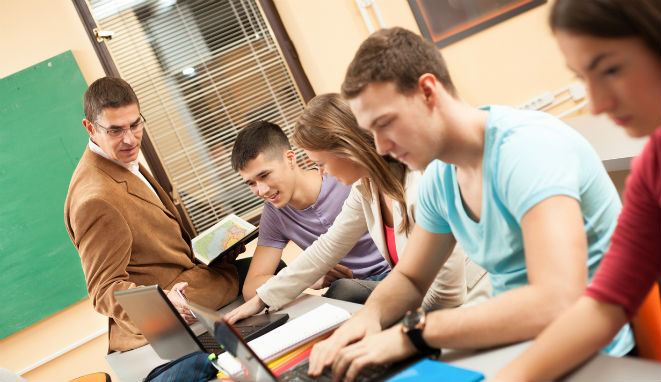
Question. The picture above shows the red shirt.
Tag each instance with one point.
(390, 242)
(633, 261)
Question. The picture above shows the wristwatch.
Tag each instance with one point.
(413, 325)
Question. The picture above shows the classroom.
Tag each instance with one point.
(199, 84)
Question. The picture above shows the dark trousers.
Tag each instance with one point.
(242, 266)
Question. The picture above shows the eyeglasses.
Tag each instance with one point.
(114, 132)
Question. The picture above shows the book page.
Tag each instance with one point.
(221, 236)
(306, 327)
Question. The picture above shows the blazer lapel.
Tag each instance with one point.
(162, 195)
(170, 208)
(134, 186)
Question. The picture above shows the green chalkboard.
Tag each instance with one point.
(41, 141)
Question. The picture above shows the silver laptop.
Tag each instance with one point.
(152, 312)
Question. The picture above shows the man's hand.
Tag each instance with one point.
(323, 354)
(338, 272)
(175, 295)
(247, 309)
(233, 253)
(371, 350)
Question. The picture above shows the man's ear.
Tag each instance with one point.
(290, 156)
(428, 87)
(89, 126)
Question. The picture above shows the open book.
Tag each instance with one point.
(216, 241)
(303, 329)
(298, 331)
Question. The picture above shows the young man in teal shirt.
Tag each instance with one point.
(525, 195)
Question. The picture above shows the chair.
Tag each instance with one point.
(647, 326)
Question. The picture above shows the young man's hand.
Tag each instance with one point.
(247, 309)
(370, 351)
(324, 353)
(338, 272)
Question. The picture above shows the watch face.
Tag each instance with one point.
(412, 319)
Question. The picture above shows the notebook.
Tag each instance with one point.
(289, 336)
(247, 361)
(158, 320)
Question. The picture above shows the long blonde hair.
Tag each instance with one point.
(327, 124)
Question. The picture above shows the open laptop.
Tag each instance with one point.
(152, 312)
(254, 368)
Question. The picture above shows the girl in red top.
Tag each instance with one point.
(615, 47)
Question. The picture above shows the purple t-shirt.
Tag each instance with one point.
(303, 227)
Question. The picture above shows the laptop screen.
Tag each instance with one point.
(250, 366)
(158, 320)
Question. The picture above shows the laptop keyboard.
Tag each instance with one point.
(209, 343)
(300, 373)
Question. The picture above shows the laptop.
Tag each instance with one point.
(152, 312)
(255, 369)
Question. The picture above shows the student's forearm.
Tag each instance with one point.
(392, 298)
(252, 283)
(517, 315)
(569, 341)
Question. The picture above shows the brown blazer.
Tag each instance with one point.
(127, 237)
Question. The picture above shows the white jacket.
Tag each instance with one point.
(458, 282)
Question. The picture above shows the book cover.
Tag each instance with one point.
(215, 241)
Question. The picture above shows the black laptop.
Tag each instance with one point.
(167, 332)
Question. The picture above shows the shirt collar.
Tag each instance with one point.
(133, 166)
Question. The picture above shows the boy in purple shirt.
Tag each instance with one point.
(302, 205)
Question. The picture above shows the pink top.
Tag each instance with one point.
(633, 261)
(390, 242)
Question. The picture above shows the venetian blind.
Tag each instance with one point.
(202, 69)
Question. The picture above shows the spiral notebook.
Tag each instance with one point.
(283, 339)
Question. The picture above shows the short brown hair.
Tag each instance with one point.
(610, 19)
(107, 92)
(395, 55)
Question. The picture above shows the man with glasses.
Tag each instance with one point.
(126, 229)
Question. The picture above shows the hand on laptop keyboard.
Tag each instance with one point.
(388, 346)
(300, 373)
(325, 352)
(247, 309)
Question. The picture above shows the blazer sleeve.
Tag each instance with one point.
(322, 255)
(103, 240)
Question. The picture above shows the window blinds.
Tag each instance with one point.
(202, 69)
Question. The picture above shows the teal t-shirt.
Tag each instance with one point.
(529, 156)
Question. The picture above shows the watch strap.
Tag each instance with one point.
(415, 335)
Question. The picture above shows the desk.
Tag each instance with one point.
(600, 368)
(134, 365)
